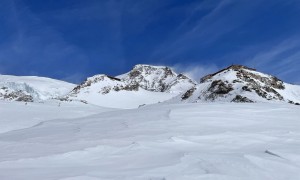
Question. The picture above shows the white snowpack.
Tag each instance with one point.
(124, 99)
(94, 94)
(192, 141)
(40, 88)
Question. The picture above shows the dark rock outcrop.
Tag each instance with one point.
(220, 87)
(241, 99)
(17, 96)
(188, 93)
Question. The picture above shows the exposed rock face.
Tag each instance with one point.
(103, 84)
(241, 99)
(238, 83)
(262, 85)
(292, 102)
(220, 87)
(272, 82)
(16, 96)
(93, 80)
(232, 67)
(109, 83)
(157, 78)
(32, 88)
(217, 89)
(188, 93)
(11, 91)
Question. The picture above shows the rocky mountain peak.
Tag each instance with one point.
(238, 83)
(157, 78)
(142, 79)
(237, 68)
(93, 80)
(246, 74)
(141, 71)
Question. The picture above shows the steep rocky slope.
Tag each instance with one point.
(157, 78)
(242, 84)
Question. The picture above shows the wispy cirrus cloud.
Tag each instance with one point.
(283, 48)
(72, 39)
(195, 71)
(223, 17)
(281, 59)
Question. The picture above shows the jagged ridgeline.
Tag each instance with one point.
(150, 78)
(144, 84)
(147, 84)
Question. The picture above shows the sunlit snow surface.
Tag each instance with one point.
(40, 88)
(158, 142)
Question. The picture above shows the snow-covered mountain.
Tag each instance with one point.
(31, 88)
(144, 84)
(242, 84)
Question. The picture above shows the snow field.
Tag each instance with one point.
(158, 142)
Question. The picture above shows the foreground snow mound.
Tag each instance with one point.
(159, 142)
(145, 84)
(20, 115)
(31, 88)
(242, 84)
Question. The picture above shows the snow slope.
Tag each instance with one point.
(19, 115)
(124, 99)
(217, 141)
(32, 88)
(106, 91)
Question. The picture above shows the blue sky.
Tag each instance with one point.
(73, 39)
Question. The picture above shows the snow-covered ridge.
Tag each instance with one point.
(144, 84)
(242, 84)
(31, 88)
(147, 84)
(103, 83)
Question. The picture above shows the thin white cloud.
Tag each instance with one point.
(208, 29)
(195, 71)
(75, 78)
(281, 59)
(266, 57)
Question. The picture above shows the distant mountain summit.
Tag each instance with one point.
(144, 84)
(239, 83)
(157, 79)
